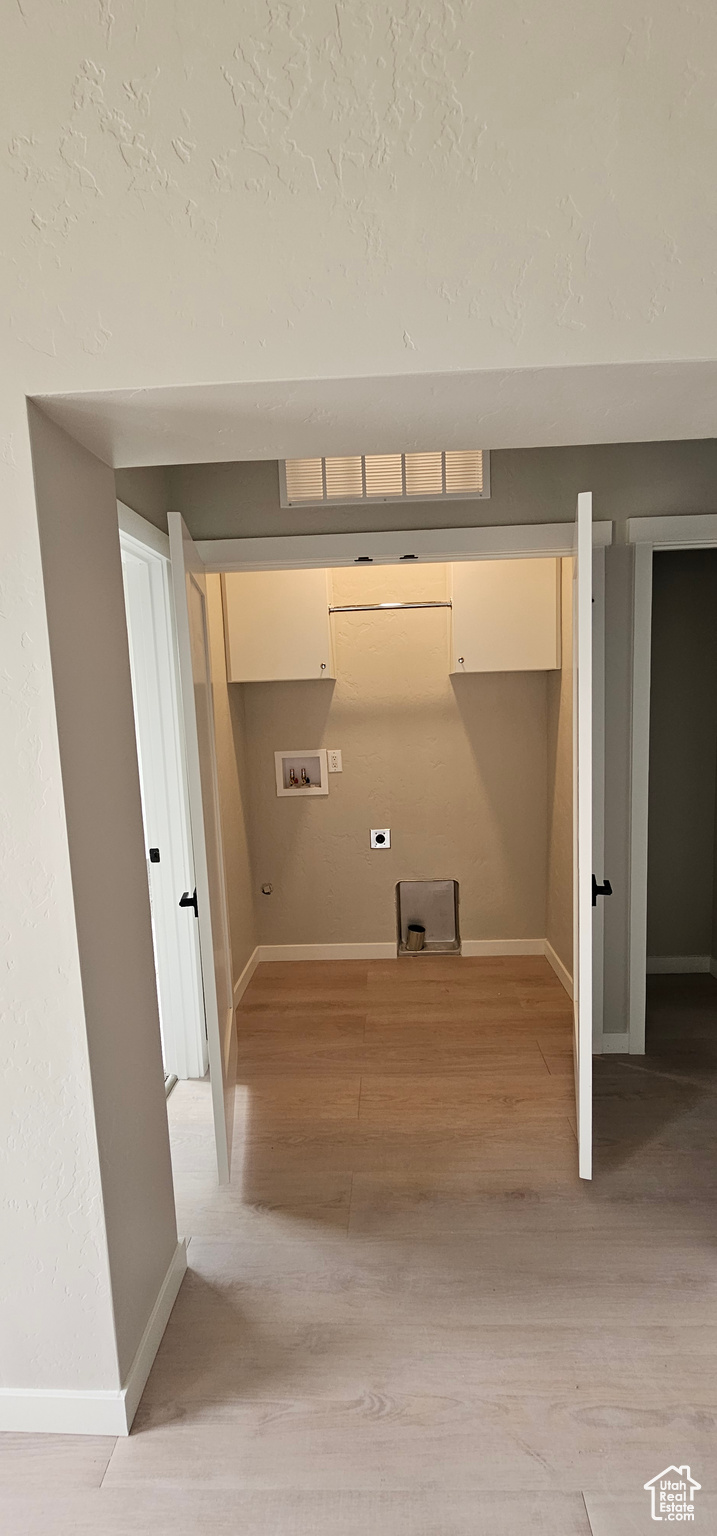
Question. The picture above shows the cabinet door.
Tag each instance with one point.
(506, 616)
(277, 626)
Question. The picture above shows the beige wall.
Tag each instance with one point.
(232, 774)
(456, 767)
(683, 754)
(559, 901)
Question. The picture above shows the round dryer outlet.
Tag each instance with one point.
(380, 837)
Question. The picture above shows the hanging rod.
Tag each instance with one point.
(376, 607)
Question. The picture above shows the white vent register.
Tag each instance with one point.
(440, 476)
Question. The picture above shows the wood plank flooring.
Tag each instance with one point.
(406, 1313)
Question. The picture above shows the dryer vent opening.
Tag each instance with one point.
(432, 904)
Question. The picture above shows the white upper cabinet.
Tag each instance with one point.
(277, 626)
(506, 615)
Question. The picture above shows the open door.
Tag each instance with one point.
(209, 901)
(583, 830)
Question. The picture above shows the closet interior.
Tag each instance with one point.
(386, 727)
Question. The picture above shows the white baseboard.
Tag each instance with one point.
(677, 965)
(43, 1411)
(152, 1337)
(561, 970)
(55, 1412)
(476, 947)
(616, 1044)
(521, 947)
(242, 981)
(471, 948)
(327, 951)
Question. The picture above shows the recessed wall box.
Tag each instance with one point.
(433, 904)
(301, 773)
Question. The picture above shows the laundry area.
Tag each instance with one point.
(379, 755)
(393, 755)
(401, 745)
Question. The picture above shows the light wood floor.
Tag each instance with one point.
(407, 1315)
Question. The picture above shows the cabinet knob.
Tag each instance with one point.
(461, 661)
(323, 666)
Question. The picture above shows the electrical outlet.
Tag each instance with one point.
(380, 837)
(333, 758)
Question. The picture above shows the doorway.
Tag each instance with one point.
(682, 843)
(326, 552)
(681, 1011)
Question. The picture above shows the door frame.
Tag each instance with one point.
(646, 534)
(210, 899)
(598, 659)
(442, 546)
(584, 930)
(449, 546)
(179, 979)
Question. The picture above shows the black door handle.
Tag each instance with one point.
(189, 901)
(601, 890)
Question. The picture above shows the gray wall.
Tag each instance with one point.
(683, 753)
(527, 485)
(146, 491)
(82, 573)
(531, 485)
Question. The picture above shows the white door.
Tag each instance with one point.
(583, 831)
(210, 908)
(598, 607)
(165, 806)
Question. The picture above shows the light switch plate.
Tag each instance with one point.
(380, 837)
(333, 758)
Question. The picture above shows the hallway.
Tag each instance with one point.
(406, 1313)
